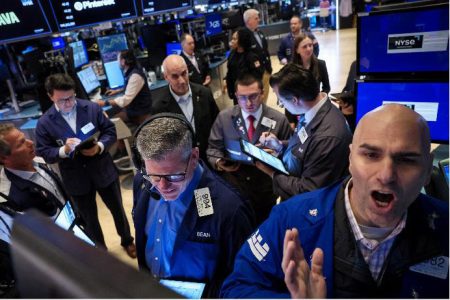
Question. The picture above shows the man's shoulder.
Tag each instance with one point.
(272, 113)
(195, 87)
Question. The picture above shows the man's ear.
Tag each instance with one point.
(429, 168)
(2, 159)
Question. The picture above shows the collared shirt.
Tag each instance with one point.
(5, 227)
(134, 86)
(257, 37)
(193, 60)
(257, 114)
(164, 219)
(373, 251)
(41, 178)
(186, 105)
(311, 113)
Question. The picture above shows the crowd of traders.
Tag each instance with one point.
(352, 222)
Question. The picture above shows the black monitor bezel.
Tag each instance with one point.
(393, 75)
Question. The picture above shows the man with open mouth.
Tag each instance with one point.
(374, 235)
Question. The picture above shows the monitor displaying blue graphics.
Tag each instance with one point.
(406, 41)
(80, 56)
(58, 43)
(70, 14)
(66, 220)
(429, 99)
(22, 19)
(152, 7)
(88, 79)
(110, 47)
(213, 24)
(173, 48)
(188, 289)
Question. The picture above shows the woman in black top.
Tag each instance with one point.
(304, 56)
(241, 61)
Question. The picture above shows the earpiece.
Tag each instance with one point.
(136, 156)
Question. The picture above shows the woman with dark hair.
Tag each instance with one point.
(242, 60)
(304, 56)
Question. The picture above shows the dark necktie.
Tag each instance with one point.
(251, 127)
(301, 122)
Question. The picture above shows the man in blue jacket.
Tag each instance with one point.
(189, 222)
(87, 171)
(373, 235)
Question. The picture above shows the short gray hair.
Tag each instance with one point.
(5, 128)
(163, 136)
(249, 13)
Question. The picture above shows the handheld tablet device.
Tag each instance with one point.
(263, 156)
(444, 167)
(88, 143)
(66, 220)
(190, 290)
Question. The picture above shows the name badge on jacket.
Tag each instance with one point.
(88, 127)
(204, 202)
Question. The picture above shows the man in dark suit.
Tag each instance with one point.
(259, 46)
(84, 172)
(197, 65)
(246, 120)
(194, 101)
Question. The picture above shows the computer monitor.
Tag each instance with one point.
(80, 56)
(50, 262)
(152, 7)
(58, 43)
(110, 46)
(429, 98)
(213, 24)
(232, 19)
(71, 14)
(88, 79)
(173, 48)
(22, 19)
(410, 41)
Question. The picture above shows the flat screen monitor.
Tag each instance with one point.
(22, 19)
(110, 46)
(173, 48)
(88, 79)
(80, 56)
(213, 2)
(152, 7)
(232, 19)
(404, 41)
(58, 43)
(429, 99)
(70, 14)
(213, 24)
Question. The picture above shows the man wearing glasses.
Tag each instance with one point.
(317, 153)
(246, 120)
(87, 171)
(189, 222)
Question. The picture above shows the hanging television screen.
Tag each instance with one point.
(428, 98)
(152, 7)
(404, 41)
(22, 19)
(70, 14)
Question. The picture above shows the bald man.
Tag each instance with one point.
(194, 101)
(371, 236)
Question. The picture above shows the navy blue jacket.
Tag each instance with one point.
(205, 247)
(319, 218)
(80, 172)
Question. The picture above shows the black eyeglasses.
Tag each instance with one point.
(154, 178)
(70, 99)
(251, 97)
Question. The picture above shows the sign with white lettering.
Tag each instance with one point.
(71, 14)
(22, 19)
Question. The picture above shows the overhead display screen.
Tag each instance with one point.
(71, 14)
(21, 19)
(151, 7)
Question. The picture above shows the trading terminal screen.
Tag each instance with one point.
(413, 40)
(70, 14)
(150, 7)
(110, 46)
(20, 19)
(429, 99)
(80, 56)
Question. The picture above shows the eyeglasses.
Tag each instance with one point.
(251, 97)
(154, 178)
(70, 99)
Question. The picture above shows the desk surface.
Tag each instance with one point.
(32, 111)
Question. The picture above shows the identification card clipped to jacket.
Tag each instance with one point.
(204, 202)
